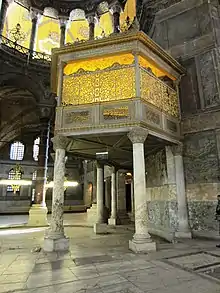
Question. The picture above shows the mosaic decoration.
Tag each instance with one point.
(48, 35)
(108, 85)
(159, 94)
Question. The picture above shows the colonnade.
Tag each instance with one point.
(141, 241)
(115, 9)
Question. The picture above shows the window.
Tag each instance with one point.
(13, 175)
(34, 176)
(17, 151)
(36, 148)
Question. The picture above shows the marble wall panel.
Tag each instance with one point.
(200, 158)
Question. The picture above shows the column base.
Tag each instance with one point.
(92, 215)
(113, 221)
(132, 218)
(185, 235)
(37, 216)
(123, 217)
(100, 228)
(60, 244)
(142, 247)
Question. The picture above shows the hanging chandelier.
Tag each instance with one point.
(16, 34)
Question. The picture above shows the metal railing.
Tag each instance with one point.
(24, 53)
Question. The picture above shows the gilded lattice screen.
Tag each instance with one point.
(99, 86)
(159, 94)
(113, 78)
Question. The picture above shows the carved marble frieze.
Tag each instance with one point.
(114, 115)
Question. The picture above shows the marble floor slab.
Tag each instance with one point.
(104, 264)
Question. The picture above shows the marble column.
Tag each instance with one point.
(38, 211)
(34, 15)
(108, 193)
(60, 83)
(183, 219)
(85, 184)
(91, 22)
(115, 10)
(63, 23)
(55, 239)
(113, 219)
(100, 227)
(132, 201)
(122, 214)
(141, 242)
(92, 212)
(3, 13)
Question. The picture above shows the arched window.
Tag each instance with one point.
(36, 148)
(14, 175)
(34, 175)
(17, 151)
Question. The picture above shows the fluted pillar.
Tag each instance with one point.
(91, 21)
(55, 239)
(141, 241)
(183, 218)
(100, 227)
(115, 9)
(113, 219)
(38, 211)
(3, 13)
(63, 23)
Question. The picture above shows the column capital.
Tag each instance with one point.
(91, 18)
(63, 21)
(138, 135)
(34, 14)
(177, 150)
(115, 8)
(99, 164)
(60, 142)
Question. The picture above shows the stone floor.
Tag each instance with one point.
(103, 264)
(70, 219)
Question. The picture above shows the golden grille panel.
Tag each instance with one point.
(102, 86)
(159, 94)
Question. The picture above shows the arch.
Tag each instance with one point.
(21, 81)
